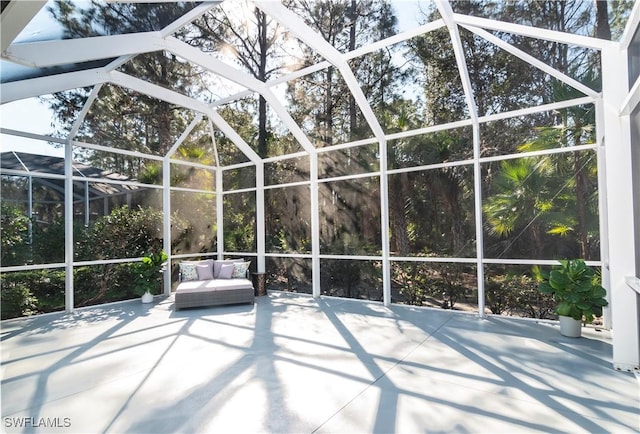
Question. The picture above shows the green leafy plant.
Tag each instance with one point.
(576, 289)
(16, 300)
(149, 272)
(14, 235)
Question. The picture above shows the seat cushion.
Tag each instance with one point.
(213, 285)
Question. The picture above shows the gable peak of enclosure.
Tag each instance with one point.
(423, 152)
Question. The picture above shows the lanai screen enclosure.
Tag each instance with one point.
(340, 147)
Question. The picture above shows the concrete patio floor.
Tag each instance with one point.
(291, 363)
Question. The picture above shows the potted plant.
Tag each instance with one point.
(148, 274)
(577, 292)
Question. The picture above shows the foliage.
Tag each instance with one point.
(426, 283)
(342, 275)
(516, 294)
(411, 279)
(30, 292)
(448, 284)
(193, 224)
(524, 196)
(124, 233)
(98, 284)
(239, 222)
(351, 278)
(251, 40)
(48, 239)
(575, 288)
(529, 302)
(321, 102)
(122, 118)
(497, 296)
(345, 276)
(289, 274)
(14, 235)
(545, 206)
(148, 272)
(536, 207)
(26, 241)
(16, 300)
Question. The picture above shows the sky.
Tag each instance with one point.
(32, 116)
(28, 115)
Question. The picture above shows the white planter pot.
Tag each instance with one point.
(570, 327)
(147, 297)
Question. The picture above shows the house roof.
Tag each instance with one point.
(43, 164)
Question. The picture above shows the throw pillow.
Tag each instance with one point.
(240, 270)
(226, 271)
(188, 272)
(205, 272)
(217, 265)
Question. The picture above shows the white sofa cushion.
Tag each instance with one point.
(214, 285)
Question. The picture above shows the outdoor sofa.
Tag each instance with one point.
(213, 282)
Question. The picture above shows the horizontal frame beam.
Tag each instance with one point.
(69, 51)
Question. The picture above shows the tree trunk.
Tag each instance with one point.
(581, 192)
(397, 210)
(581, 205)
(328, 108)
(263, 44)
(603, 31)
(352, 46)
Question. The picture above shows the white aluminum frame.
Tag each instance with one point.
(613, 107)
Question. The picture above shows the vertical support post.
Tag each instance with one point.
(166, 220)
(260, 216)
(315, 225)
(602, 210)
(384, 229)
(219, 214)
(477, 189)
(86, 203)
(68, 198)
(68, 226)
(619, 175)
(30, 210)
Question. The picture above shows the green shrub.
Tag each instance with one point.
(518, 295)
(16, 300)
(447, 283)
(499, 297)
(14, 235)
(45, 286)
(411, 279)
